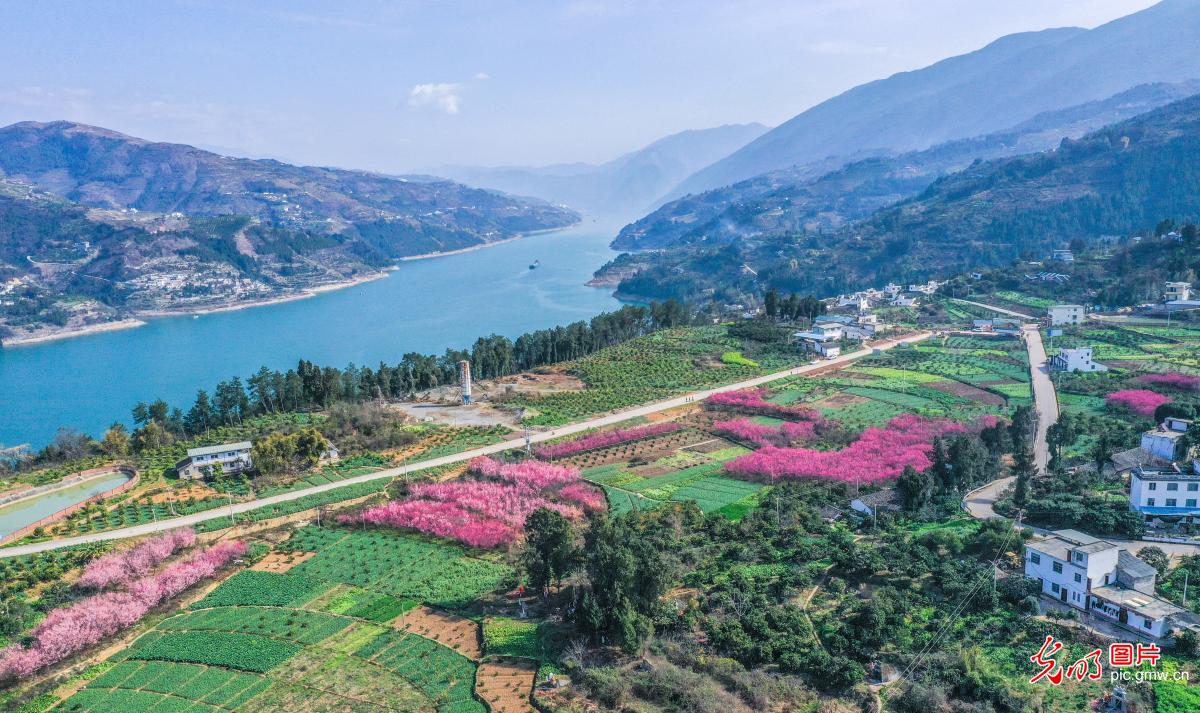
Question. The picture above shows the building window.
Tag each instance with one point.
(1106, 578)
(1171, 502)
(1078, 556)
(1054, 587)
(1148, 623)
(1191, 502)
(1150, 502)
(1078, 577)
(1193, 487)
(1035, 558)
(1058, 567)
(1172, 486)
(1151, 486)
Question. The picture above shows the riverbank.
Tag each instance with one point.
(302, 294)
(50, 335)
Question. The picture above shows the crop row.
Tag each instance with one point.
(296, 625)
(244, 652)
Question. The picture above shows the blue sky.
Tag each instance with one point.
(397, 86)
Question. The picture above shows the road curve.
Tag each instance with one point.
(606, 420)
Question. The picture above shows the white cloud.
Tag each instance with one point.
(443, 96)
(481, 76)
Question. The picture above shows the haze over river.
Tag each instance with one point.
(425, 306)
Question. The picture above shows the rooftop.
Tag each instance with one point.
(211, 450)
(1133, 566)
(1140, 602)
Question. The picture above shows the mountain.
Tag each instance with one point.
(96, 226)
(1114, 181)
(628, 185)
(1008, 81)
(394, 216)
(813, 198)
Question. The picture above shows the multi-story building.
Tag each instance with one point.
(1170, 495)
(1065, 314)
(824, 339)
(1099, 577)
(1075, 360)
(1177, 291)
(201, 462)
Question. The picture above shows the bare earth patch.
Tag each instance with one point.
(449, 630)
(839, 399)
(506, 683)
(967, 391)
(282, 561)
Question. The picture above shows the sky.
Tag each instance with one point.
(404, 85)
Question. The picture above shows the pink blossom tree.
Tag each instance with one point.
(604, 439)
(119, 568)
(1139, 401)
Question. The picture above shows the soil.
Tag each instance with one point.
(840, 399)
(282, 561)
(449, 630)
(506, 683)
(967, 391)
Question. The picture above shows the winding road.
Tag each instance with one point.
(979, 503)
(606, 420)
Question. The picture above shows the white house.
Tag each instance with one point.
(1075, 360)
(232, 457)
(823, 339)
(1099, 577)
(1166, 440)
(902, 301)
(1065, 314)
(1168, 494)
(1063, 256)
(1177, 291)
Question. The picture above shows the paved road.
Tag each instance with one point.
(994, 308)
(607, 420)
(979, 502)
(1045, 401)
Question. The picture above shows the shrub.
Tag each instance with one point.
(604, 439)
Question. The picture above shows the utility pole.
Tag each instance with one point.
(1185, 583)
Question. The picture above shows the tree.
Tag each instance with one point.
(916, 488)
(549, 551)
(1024, 469)
(116, 440)
(771, 303)
(200, 417)
(1156, 558)
(627, 574)
(151, 435)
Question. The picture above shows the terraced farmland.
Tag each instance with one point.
(323, 636)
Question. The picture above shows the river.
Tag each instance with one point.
(428, 305)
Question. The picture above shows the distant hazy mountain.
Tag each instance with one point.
(1122, 178)
(998, 86)
(102, 168)
(811, 197)
(624, 186)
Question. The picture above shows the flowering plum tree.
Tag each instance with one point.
(878, 454)
(1139, 401)
(1171, 380)
(604, 439)
(754, 402)
(120, 568)
(68, 630)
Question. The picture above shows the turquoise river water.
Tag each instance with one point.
(429, 305)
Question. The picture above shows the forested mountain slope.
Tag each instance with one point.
(1000, 85)
(1113, 181)
(807, 199)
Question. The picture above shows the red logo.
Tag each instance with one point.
(1120, 655)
